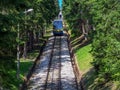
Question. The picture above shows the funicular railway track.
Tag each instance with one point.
(54, 71)
(53, 75)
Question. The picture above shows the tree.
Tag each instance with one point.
(102, 17)
(11, 13)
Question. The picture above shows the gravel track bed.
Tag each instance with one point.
(61, 75)
(67, 74)
(37, 81)
(52, 83)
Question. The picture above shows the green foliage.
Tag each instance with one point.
(78, 15)
(104, 17)
(84, 58)
(106, 44)
(12, 14)
(7, 66)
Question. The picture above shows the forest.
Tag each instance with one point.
(97, 20)
(21, 29)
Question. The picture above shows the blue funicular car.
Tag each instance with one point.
(58, 27)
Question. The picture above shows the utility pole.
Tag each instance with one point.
(25, 43)
(18, 46)
(18, 52)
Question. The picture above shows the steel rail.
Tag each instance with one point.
(49, 66)
(59, 79)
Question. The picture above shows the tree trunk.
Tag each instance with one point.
(18, 54)
(84, 32)
(30, 40)
(87, 27)
(25, 50)
(42, 33)
(37, 37)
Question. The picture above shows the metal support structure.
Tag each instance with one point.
(18, 45)
(25, 43)
(18, 52)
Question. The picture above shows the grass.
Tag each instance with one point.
(26, 64)
(10, 80)
(84, 58)
(89, 77)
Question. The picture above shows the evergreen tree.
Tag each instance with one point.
(30, 25)
(102, 17)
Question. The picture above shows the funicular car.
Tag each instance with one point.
(58, 27)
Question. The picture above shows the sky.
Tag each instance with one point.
(60, 4)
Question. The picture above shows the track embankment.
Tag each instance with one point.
(56, 68)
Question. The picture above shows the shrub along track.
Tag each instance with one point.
(55, 69)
